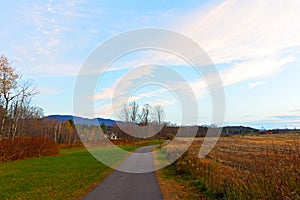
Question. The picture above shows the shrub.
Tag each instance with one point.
(170, 136)
(23, 148)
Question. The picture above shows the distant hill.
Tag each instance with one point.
(236, 130)
(227, 130)
(82, 120)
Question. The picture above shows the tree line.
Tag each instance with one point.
(19, 117)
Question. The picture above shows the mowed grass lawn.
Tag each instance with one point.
(70, 175)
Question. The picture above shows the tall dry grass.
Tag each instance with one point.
(246, 167)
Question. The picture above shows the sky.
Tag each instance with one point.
(254, 45)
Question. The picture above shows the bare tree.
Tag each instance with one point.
(15, 96)
(151, 120)
(124, 114)
(145, 115)
(22, 108)
(130, 112)
(158, 114)
(133, 111)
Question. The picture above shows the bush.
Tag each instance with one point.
(170, 136)
(24, 148)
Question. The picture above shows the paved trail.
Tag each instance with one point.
(123, 185)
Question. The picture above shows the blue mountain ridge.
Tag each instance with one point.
(82, 120)
(109, 122)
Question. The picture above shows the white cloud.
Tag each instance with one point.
(257, 83)
(122, 86)
(104, 111)
(289, 119)
(41, 43)
(255, 38)
(164, 102)
(253, 69)
(240, 30)
(106, 93)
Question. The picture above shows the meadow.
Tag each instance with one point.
(243, 167)
(70, 175)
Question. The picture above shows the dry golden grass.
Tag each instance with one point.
(174, 189)
(247, 167)
(172, 186)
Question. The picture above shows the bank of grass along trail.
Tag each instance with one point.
(70, 175)
(240, 167)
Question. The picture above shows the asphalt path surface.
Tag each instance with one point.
(125, 185)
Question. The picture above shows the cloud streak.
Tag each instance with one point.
(254, 38)
(257, 83)
(236, 30)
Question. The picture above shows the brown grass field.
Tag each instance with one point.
(246, 167)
